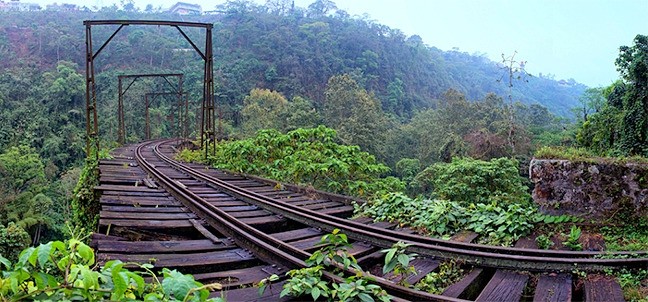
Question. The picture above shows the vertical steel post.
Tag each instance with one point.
(185, 129)
(208, 93)
(92, 128)
(121, 131)
(148, 123)
(180, 107)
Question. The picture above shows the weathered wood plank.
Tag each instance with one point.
(470, 286)
(225, 259)
(146, 224)
(599, 288)
(553, 288)
(423, 267)
(298, 234)
(204, 231)
(154, 247)
(504, 286)
(235, 278)
(146, 215)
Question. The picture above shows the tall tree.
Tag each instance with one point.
(262, 110)
(354, 113)
(632, 63)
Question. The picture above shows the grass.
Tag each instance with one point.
(583, 155)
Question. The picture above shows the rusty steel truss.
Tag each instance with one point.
(121, 132)
(207, 130)
(183, 109)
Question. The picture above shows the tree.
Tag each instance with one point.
(632, 63)
(21, 169)
(592, 101)
(321, 8)
(300, 113)
(354, 113)
(262, 109)
(621, 125)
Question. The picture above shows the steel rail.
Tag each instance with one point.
(264, 246)
(476, 254)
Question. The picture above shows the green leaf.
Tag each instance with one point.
(62, 264)
(86, 253)
(89, 278)
(177, 284)
(389, 256)
(120, 281)
(25, 255)
(285, 291)
(44, 251)
(139, 281)
(365, 297)
(404, 260)
(5, 262)
(315, 293)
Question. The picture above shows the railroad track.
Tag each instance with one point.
(236, 230)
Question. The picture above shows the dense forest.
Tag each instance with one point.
(407, 103)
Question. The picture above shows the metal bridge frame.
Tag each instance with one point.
(182, 115)
(121, 132)
(207, 131)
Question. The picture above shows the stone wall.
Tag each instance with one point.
(593, 190)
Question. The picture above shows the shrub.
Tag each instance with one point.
(469, 180)
(309, 157)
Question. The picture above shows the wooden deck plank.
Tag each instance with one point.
(146, 215)
(129, 247)
(224, 259)
(599, 288)
(469, 286)
(146, 224)
(504, 286)
(298, 234)
(553, 288)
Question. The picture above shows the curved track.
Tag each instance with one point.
(281, 227)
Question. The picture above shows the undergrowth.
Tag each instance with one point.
(307, 157)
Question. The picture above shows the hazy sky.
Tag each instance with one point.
(568, 38)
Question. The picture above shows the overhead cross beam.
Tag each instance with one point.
(207, 131)
(121, 132)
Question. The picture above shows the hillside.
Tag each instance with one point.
(294, 52)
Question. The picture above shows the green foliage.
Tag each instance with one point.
(191, 156)
(502, 223)
(584, 155)
(633, 284)
(629, 237)
(333, 255)
(436, 282)
(307, 156)
(474, 181)
(407, 168)
(398, 262)
(12, 240)
(262, 109)
(572, 154)
(85, 202)
(21, 169)
(572, 239)
(498, 223)
(66, 271)
(620, 127)
(354, 114)
(544, 241)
